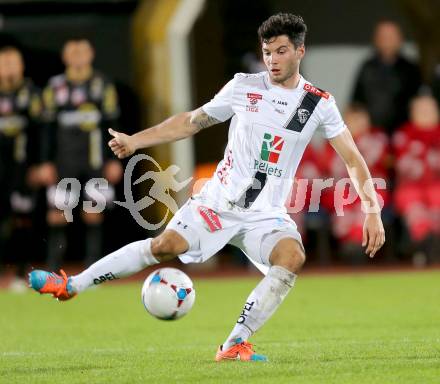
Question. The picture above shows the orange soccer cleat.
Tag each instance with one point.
(50, 282)
(241, 350)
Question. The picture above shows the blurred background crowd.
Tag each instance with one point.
(69, 70)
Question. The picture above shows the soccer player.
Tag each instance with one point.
(274, 114)
(78, 106)
(20, 108)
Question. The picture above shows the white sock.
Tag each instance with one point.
(124, 262)
(262, 303)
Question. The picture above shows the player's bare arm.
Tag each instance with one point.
(374, 234)
(175, 128)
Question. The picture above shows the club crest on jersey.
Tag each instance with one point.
(303, 115)
(253, 100)
(254, 97)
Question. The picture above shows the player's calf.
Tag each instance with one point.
(286, 259)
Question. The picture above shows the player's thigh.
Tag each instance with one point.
(194, 222)
(264, 238)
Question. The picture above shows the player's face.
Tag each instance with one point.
(11, 68)
(78, 54)
(282, 59)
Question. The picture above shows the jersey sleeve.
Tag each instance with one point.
(220, 107)
(332, 123)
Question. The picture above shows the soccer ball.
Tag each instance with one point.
(168, 294)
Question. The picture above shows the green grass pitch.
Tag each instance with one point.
(381, 328)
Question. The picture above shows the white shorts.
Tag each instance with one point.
(207, 231)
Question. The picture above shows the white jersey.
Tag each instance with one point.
(269, 131)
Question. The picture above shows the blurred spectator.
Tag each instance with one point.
(387, 81)
(417, 193)
(20, 108)
(79, 106)
(373, 144)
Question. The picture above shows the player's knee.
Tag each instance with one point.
(168, 245)
(288, 255)
(293, 261)
(299, 258)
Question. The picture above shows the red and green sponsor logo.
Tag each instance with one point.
(271, 148)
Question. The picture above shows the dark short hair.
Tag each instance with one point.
(283, 24)
(78, 39)
(10, 48)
